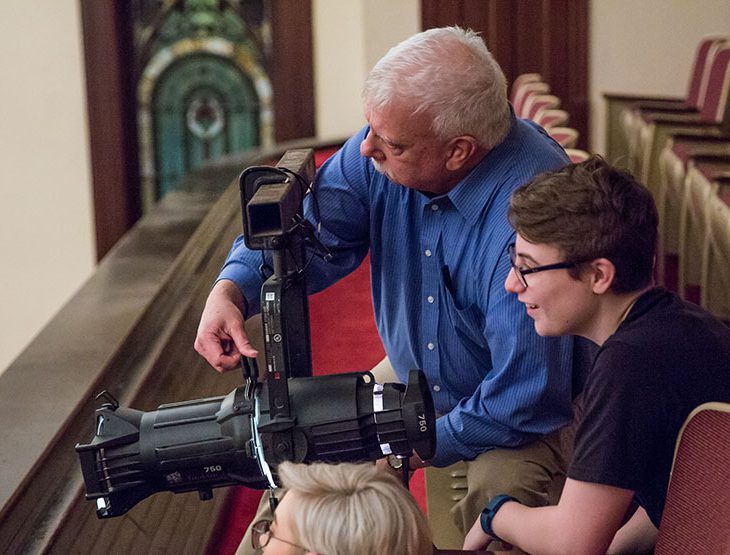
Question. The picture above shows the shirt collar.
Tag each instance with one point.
(475, 191)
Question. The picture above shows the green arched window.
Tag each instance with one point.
(203, 107)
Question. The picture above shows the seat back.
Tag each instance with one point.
(524, 92)
(703, 55)
(715, 268)
(577, 155)
(567, 137)
(536, 102)
(718, 86)
(696, 515)
(521, 80)
(550, 117)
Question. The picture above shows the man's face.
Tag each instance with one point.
(558, 303)
(404, 149)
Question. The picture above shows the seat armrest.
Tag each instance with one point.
(437, 551)
(710, 135)
(664, 106)
(628, 97)
(681, 119)
(712, 159)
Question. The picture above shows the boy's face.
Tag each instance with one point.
(558, 303)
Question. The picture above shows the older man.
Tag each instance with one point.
(424, 187)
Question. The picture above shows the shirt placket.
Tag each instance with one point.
(431, 272)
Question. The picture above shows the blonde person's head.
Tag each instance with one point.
(344, 509)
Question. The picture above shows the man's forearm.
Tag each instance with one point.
(228, 289)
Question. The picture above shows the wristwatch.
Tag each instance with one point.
(490, 512)
(395, 462)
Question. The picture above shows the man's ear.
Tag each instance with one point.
(603, 274)
(460, 152)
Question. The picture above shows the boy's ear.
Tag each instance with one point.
(461, 149)
(603, 274)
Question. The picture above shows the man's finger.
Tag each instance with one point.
(243, 345)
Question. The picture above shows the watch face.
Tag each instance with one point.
(395, 462)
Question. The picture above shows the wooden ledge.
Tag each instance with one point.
(129, 329)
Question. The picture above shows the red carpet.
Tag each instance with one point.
(344, 339)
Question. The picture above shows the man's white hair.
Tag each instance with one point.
(449, 74)
(346, 508)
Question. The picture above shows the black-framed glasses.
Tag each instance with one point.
(522, 273)
(261, 535)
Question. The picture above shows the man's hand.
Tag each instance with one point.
(477, 538)
(221, 338)
(416, 462)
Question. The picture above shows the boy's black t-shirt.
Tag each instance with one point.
(666, 358)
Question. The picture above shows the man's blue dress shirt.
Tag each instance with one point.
(438, 267)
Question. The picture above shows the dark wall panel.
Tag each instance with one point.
(112, 116)
(549, 37)
(292, 73)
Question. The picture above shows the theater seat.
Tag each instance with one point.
(715, 269)
(696, 515)
(550, 117)
(694, 192)
(521, 80)
(537, 102)
(567, 137)
(627, 111)
(657, 127)
(524, 92)
(577, 155)
(678, 222)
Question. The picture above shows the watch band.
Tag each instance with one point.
(490, 512)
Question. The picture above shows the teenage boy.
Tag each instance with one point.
(582, 264)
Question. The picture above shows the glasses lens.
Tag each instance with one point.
(260, 534)
(513, 263)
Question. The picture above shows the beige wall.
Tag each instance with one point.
(350, 36)
(646, 47)
(46, 233)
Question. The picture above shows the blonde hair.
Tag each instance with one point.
(354, 508)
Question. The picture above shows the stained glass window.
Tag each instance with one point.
(203, 89)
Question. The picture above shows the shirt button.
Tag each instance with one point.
(434, 207)
(431, 346)
(427, 252)
(437, 388)
(429, 299)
